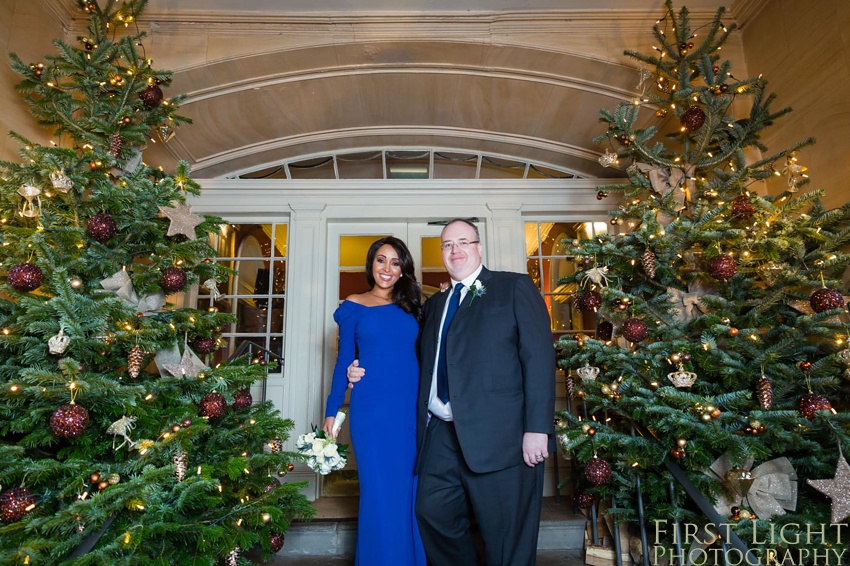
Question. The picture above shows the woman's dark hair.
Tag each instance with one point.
(406, 292)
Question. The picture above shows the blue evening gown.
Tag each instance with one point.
(383, 428)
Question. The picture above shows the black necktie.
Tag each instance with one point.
(442, 365)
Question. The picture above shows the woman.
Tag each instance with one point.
(381, 326)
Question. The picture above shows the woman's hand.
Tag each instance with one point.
(328, 427)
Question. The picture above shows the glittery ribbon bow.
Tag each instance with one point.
(687, 304)
(121, 284)
(772, 490)
(666, 179)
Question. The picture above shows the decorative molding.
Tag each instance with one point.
(428, 68)
(349, 133)
(744, 11)
(399, 24)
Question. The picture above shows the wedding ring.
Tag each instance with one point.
(538, 456)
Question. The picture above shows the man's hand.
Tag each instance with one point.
(354, 373)
(535, 448)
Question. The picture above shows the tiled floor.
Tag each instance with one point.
(544, 558)
(345, 509)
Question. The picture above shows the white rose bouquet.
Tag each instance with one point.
(323, 454)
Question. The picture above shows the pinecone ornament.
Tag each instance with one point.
(764, 392)
(135, 357)
(276, 540)
(571, 385)
(181, 463)
(232, 558)
(116, 142)
(648, 260)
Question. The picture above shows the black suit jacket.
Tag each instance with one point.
(501, 368)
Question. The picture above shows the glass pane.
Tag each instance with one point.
(432, 257)
(253, 277)
(532, 246)
(532, 267)
(281, 233)
(556, 236)
(276, 316)
(279, 278)
(352, 282)
(353, 249)
(561, 312)
(449, 165)
(408, 164)
(368, 165)
(251, 316)
(273, 172)
(234, 347)
(543, 172)
(497, 168)
(315, 168)
(553, 271)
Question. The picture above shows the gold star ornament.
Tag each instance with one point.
(837, 489)
(182, 219)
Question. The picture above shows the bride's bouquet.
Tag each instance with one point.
(323, 454)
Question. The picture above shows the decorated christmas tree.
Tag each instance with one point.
(717, 339)
(119, 444)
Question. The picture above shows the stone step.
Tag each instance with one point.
(560, 529)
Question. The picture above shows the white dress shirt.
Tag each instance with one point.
(436, 407)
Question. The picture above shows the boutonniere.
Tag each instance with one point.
(477, 289)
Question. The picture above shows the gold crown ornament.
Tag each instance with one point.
(682, 378)
(588, 372)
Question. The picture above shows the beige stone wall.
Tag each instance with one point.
(803, 48)
(28, 29)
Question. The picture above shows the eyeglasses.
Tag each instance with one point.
(462, 244)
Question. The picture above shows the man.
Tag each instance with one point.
(484, 420)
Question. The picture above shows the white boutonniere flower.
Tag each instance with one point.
(476, 289)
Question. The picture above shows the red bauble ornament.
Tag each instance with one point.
(276, 541)
(811, 403)
(589, 301)
(69, 421)
(151, 96)
(604, 330)
(582, 500)
(101, 227)
(205, 345)
(635, 330)
(212, 405)
(722, 267)
(15, 503)
(173, 279)
(242, 399)
(25, 277)
(678, 452)
(597, 471)
(693, 118)
(826, 300)
(272, 484)
(741, 207)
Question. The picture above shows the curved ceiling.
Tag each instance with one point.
(266, 85)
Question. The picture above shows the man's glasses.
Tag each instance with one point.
(462, 244)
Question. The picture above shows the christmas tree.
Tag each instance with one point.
(718, 325)
(118, 443)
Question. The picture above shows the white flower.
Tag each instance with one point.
(322, 454)
(330, 450)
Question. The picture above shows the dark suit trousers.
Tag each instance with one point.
(506, 504)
